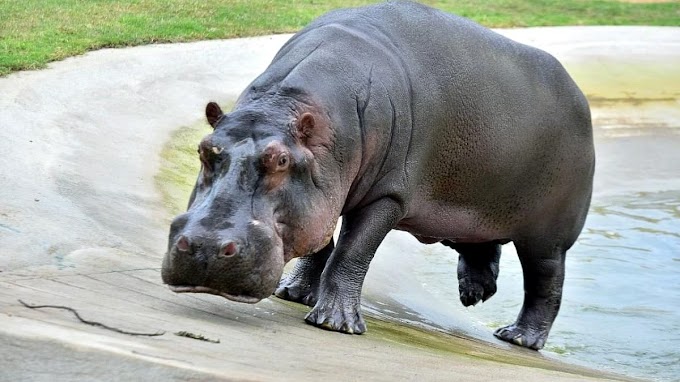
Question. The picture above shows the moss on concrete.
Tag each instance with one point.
(608, 81)
(179, 166)
(413, 338)
(456, 345)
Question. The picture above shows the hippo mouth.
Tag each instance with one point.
(202, 289)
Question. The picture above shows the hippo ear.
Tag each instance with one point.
(213, 113)
(313, 132)
(305, 127)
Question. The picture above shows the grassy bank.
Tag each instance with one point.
(35, 32)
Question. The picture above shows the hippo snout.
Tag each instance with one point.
(241, 266)
(184, 245)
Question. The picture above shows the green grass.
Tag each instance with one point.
(35, 32)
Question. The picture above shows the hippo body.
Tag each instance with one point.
(393, 116)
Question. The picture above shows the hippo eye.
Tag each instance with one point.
(283, 160)
(207, 166)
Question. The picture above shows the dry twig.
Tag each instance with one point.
(93, 323)
(196, 337)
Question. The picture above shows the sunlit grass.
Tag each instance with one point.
(35, 32)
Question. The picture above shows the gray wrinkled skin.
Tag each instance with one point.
(395, 116)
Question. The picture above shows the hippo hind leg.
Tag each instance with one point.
(543, 270)
(302, 283)
(477, 270)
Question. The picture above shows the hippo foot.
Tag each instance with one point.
(476, 286)
(294, 289)
(343, 317)
(528, 338)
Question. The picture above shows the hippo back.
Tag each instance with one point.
(439, 108)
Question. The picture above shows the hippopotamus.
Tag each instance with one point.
(391, 116)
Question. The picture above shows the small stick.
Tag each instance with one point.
(93, 323)
(196, 337)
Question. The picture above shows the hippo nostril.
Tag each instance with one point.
(228, 249)
(183, 244)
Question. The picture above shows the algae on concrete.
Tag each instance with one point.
(179, 166)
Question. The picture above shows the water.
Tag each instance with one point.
(621, 305)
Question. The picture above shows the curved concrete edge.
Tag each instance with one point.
(82, 225)
(569, 43)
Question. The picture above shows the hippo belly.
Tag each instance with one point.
(436, 222)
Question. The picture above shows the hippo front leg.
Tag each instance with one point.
(477, 270)
(302, 283)
(338, 307)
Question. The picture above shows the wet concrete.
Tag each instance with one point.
(83, 224)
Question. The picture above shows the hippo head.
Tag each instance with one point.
(260, 200)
